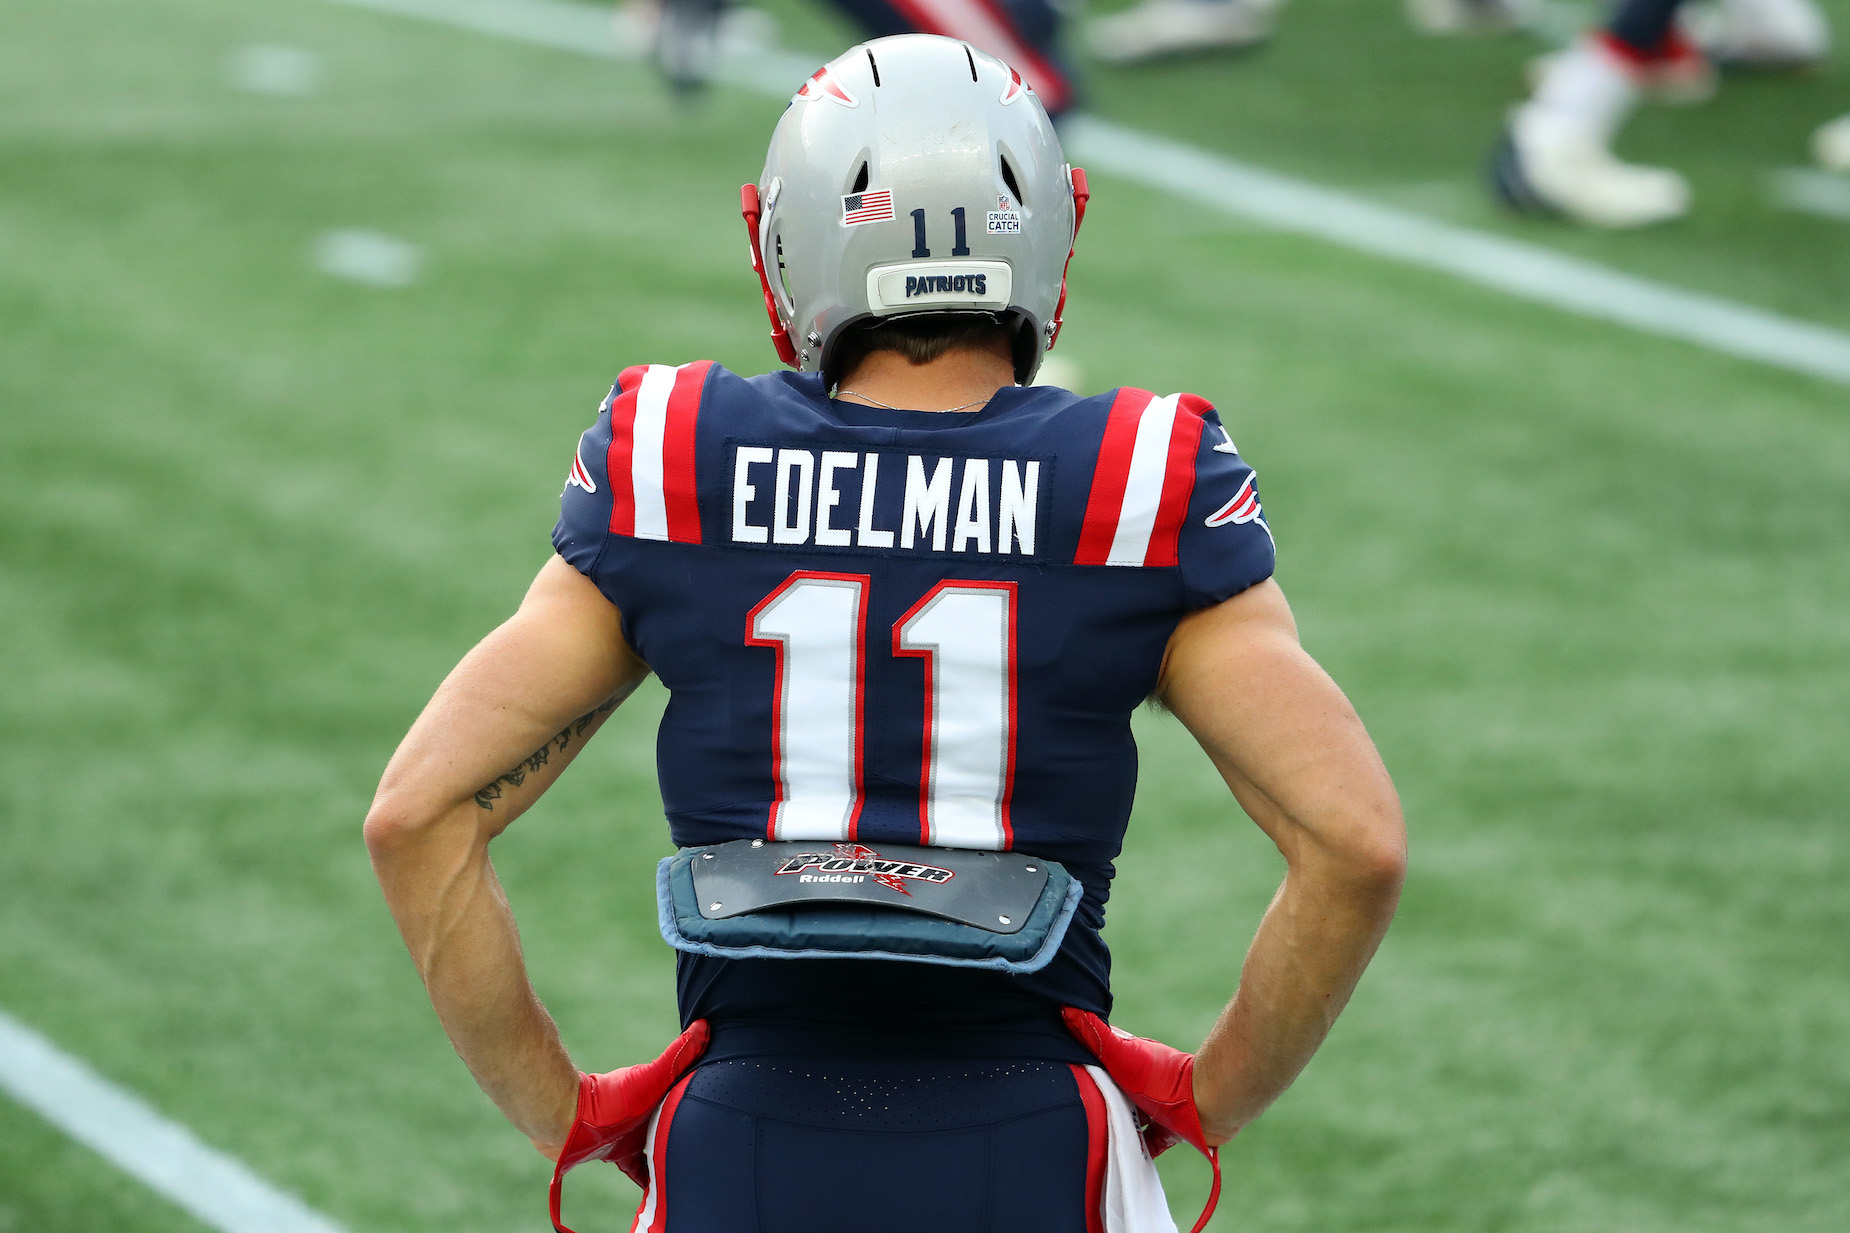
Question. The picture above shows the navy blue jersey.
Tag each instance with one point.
(884, 626)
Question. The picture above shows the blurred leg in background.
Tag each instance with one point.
(1830, 145)
(688, 37)
(1556, 153)
(1151, 29)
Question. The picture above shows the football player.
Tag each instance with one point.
(1556, 152)
(900, 597)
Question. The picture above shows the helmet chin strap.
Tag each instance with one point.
(1082, 193)
(780, 334)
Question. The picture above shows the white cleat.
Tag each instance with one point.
(1154, 28)
(1763, 34)
(1544, 168)
(1830, 145)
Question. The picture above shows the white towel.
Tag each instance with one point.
(1134, 1199)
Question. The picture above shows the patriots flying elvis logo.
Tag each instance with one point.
(824, 84)
(579, 476)
(1243, 508)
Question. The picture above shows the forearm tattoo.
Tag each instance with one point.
(516, 776)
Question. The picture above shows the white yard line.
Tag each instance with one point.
(548, 23)
(1810, 191)
(162, 1154)
(1526, 271)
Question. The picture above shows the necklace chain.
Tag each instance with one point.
(890, 407)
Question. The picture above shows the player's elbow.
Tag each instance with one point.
(1374, 851)
(1358, 850)
(1383, 867)
(385, 830)
(395, 823)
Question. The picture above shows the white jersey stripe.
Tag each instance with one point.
(651, 427)
(645, 1213)
(1143, 488)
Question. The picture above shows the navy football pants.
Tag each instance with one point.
(859, 1145)
(1643, 25)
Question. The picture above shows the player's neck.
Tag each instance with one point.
(961, 379)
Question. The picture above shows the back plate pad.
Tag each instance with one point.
(989, 890)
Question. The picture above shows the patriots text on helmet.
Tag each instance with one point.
(927, 284)
(885, 501)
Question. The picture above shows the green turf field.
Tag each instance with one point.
(1590, 589)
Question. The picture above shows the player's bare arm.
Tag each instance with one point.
(501, 728)
(1297, 758)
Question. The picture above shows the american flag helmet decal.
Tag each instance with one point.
(871, 207)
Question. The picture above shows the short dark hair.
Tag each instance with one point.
(921, 338)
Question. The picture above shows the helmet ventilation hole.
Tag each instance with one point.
(876, 68)
(860, 180)
(1008, 178)
(972, 60)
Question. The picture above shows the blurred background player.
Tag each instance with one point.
(1152, 29)
(686, 36)
(1556, 152)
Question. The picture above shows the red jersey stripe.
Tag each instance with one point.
(1097, 1145)
(630, 378)
(658, 1158)
(1109, 477)
(679, 492)
(622, 448)
(1178, 481)
(1014, 693)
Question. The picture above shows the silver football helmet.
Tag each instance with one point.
(913, 174)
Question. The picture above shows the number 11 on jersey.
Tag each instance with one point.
(965, 634)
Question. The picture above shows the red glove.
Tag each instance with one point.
(614, 1109)
(1159, 1080)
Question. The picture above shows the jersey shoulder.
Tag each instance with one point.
(632, 472)
(1169, 489)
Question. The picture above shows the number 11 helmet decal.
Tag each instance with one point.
(911, 175)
